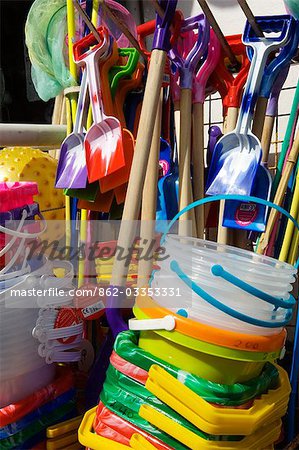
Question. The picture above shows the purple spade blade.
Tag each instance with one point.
(71, 171)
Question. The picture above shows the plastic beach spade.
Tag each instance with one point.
(251, 216)
(103, 141)
(117, 180)
(238, 154)
(71, 171)
(195, 34)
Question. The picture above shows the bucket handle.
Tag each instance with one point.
(219, 271)
(240, 198)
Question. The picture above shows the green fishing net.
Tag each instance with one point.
(46, 39)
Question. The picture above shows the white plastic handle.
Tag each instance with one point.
(28, 282)
(18, 234)
(50, 281)
(56, 343)
(94, 84)
(63, 357)
(43, 349)
(44, 335)
(78, 126)
(44, 323)
(10, 279)
(45, 313)
(165, 323)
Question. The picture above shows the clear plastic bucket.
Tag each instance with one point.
(19, 355)
(196, 259)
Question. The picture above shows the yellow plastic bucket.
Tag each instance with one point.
(213, 368)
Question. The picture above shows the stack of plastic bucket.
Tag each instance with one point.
(210, 380)
(134, 400)
(21, 368)
(23, 424)
(33, 394)
(218, 319)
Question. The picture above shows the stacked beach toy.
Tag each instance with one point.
(34, 393)
(24, 423)
(22, 370)
(199, 369)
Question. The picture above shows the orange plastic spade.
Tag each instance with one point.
(102, 203)
(125, 86)
(103, 142)
(105, 67)
(124, 173)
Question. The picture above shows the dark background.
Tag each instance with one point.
(19, 101)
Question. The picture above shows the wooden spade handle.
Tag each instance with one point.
(198, 165)
(31, 135)
(250, 17)
(149, 203)
(259, 117)
(57, 109)
(231, 119)
(213, 22)
(177, 122)
(122, 27)
(56, 119)
(139, 164)
(224, 235)
(280, 193)
(185, 187)
(267, 136)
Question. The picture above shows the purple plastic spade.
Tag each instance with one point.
(72, 171)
